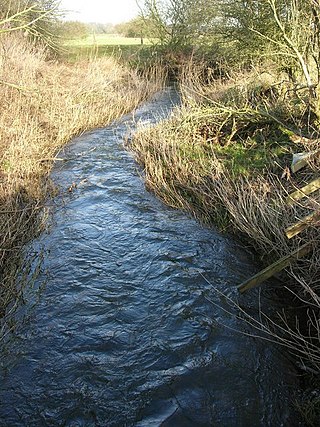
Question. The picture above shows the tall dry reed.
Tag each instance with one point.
(186, 165)
(42, 105)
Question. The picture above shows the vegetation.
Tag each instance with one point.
(104, 40)
(129, 51)
(137, 27)
(179, 23)
(36, 18)
(70, 30)
(44, 104)
(98, 28)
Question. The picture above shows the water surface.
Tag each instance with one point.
(122, 334)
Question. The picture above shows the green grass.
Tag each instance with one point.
(127, 49)
(107, 40)
(252, 158)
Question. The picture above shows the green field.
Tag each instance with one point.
(107, 40)
(105, 44)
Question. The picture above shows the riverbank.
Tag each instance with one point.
(225, 157)
(43, 105)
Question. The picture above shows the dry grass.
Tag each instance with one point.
(43, 104)
(186, 164)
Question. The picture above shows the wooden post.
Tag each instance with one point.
(304, 191)
(301, 225)
(274, 268)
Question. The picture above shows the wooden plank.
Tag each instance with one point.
(274, 268)
(310, 188)
(302, 224)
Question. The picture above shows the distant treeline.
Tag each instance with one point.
(137, 27)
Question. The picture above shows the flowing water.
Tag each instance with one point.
(122, 334)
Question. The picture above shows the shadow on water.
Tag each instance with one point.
(122, 334)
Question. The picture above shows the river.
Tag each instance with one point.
(122, 333)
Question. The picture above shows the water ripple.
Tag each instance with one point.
(122, 334)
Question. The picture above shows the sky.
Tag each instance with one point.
(102, 11)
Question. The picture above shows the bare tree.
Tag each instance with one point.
(298, 23)
(180, 22)
(36, 18)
